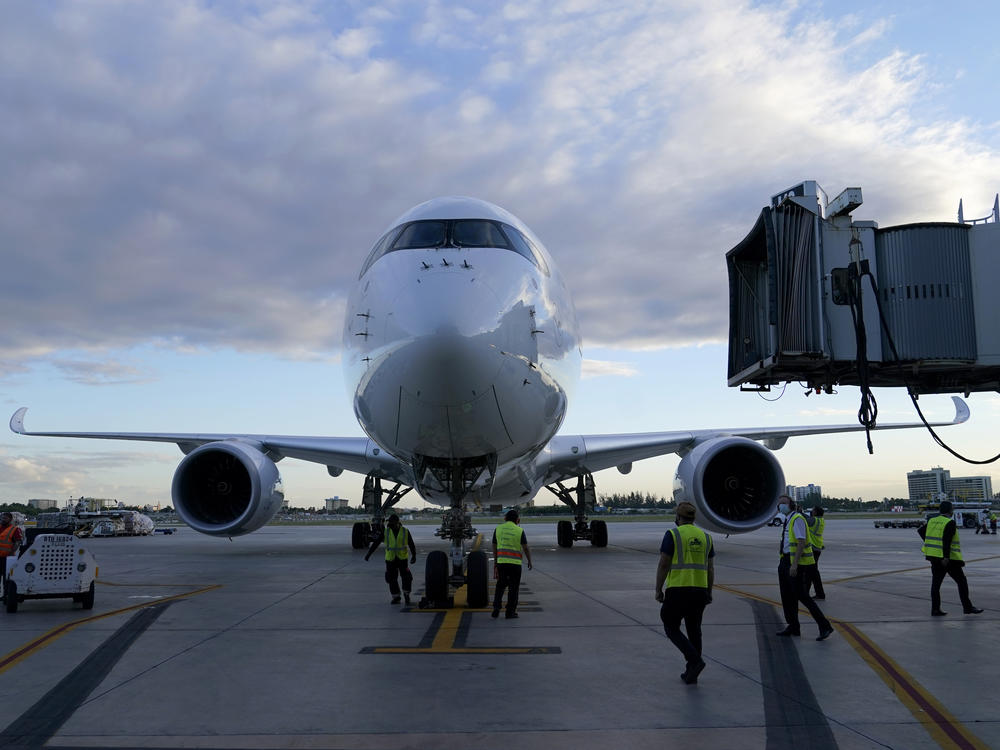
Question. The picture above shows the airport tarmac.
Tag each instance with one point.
(286, 638)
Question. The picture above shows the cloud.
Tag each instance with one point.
(200, 174)
(595, 368)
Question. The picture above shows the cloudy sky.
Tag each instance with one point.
(187, 190)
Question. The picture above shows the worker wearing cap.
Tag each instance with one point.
(794, 572)
(944, 551)
(10, 543)
(510, 546)
(686, 566)
(399, 547)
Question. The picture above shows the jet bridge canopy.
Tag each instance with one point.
(809, 287)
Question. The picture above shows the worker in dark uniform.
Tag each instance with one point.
(510, 545)
(816, 525)
(687, 567)
(942, 548)
(10, 542)
(398, 547)
(793, 573)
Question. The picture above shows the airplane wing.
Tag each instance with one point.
(569, 455)
(354, 454)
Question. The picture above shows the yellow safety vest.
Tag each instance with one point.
(934, 539)
(396, 545)
(8, 546)
(509, 543)
(793, 541)
(689, 564)
(815, 530)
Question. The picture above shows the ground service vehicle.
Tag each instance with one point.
(53, 566)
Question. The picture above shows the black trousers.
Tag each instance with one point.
(814, 581)
(687, 604)
(938, 572)
(508, 578)
(793, 592)
(392, 567)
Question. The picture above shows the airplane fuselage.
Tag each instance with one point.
(461, 348)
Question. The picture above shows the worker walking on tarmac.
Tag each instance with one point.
(10, 543)
(398, 547)
(687, 567)
(510, 545)
(815, 526)
(944, 551)
(794, 574)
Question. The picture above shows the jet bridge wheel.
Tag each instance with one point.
(436, 576)
(359, 535)
(564, 533)
(477, 580)
(599, 533)
(10, 593)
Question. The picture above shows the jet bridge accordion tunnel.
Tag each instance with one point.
(810, 289)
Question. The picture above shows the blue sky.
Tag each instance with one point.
(189, 188)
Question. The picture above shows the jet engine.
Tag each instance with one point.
(734, 482)
(227, 488)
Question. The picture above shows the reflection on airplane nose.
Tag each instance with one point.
(443, 302)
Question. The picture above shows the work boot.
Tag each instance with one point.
(690, 675)
(395, 599)
(972, 611)
(937, 613)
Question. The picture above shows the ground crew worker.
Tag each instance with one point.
(993, 523)
(816, 525)
(398, 547)
(10, 543)
(793, 572)
(687, 567)
(944, 551)
(510, 545)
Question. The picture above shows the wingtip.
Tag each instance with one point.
(961, 410)
(17, 421)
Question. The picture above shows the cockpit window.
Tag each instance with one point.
(477, 233)
(422, 234)
(455, 233)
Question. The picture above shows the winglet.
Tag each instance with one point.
(17, 421)
(961, 410)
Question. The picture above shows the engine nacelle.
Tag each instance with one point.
(734, 482)
(227, 488)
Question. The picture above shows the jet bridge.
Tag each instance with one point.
(821, 299)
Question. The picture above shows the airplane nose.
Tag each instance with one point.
(450, 324)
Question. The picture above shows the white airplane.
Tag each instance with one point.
(461, 352)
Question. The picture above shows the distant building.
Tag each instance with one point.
(333, 504)
(801, 494)
(43, 504)
(925, 486)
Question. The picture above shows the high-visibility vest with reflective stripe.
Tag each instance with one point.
(509, 543)
(934, 539)
(395, 544)
(793, 541)
(689, 564)
(816, 531)
(8, 545)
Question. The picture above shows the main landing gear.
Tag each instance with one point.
(363, 533)
(567, 532)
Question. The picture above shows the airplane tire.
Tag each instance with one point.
(564, 534)
(599, 533)
(476, 580)
(436, 576)
(10, 594)
(87, 598)
(359, 535)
